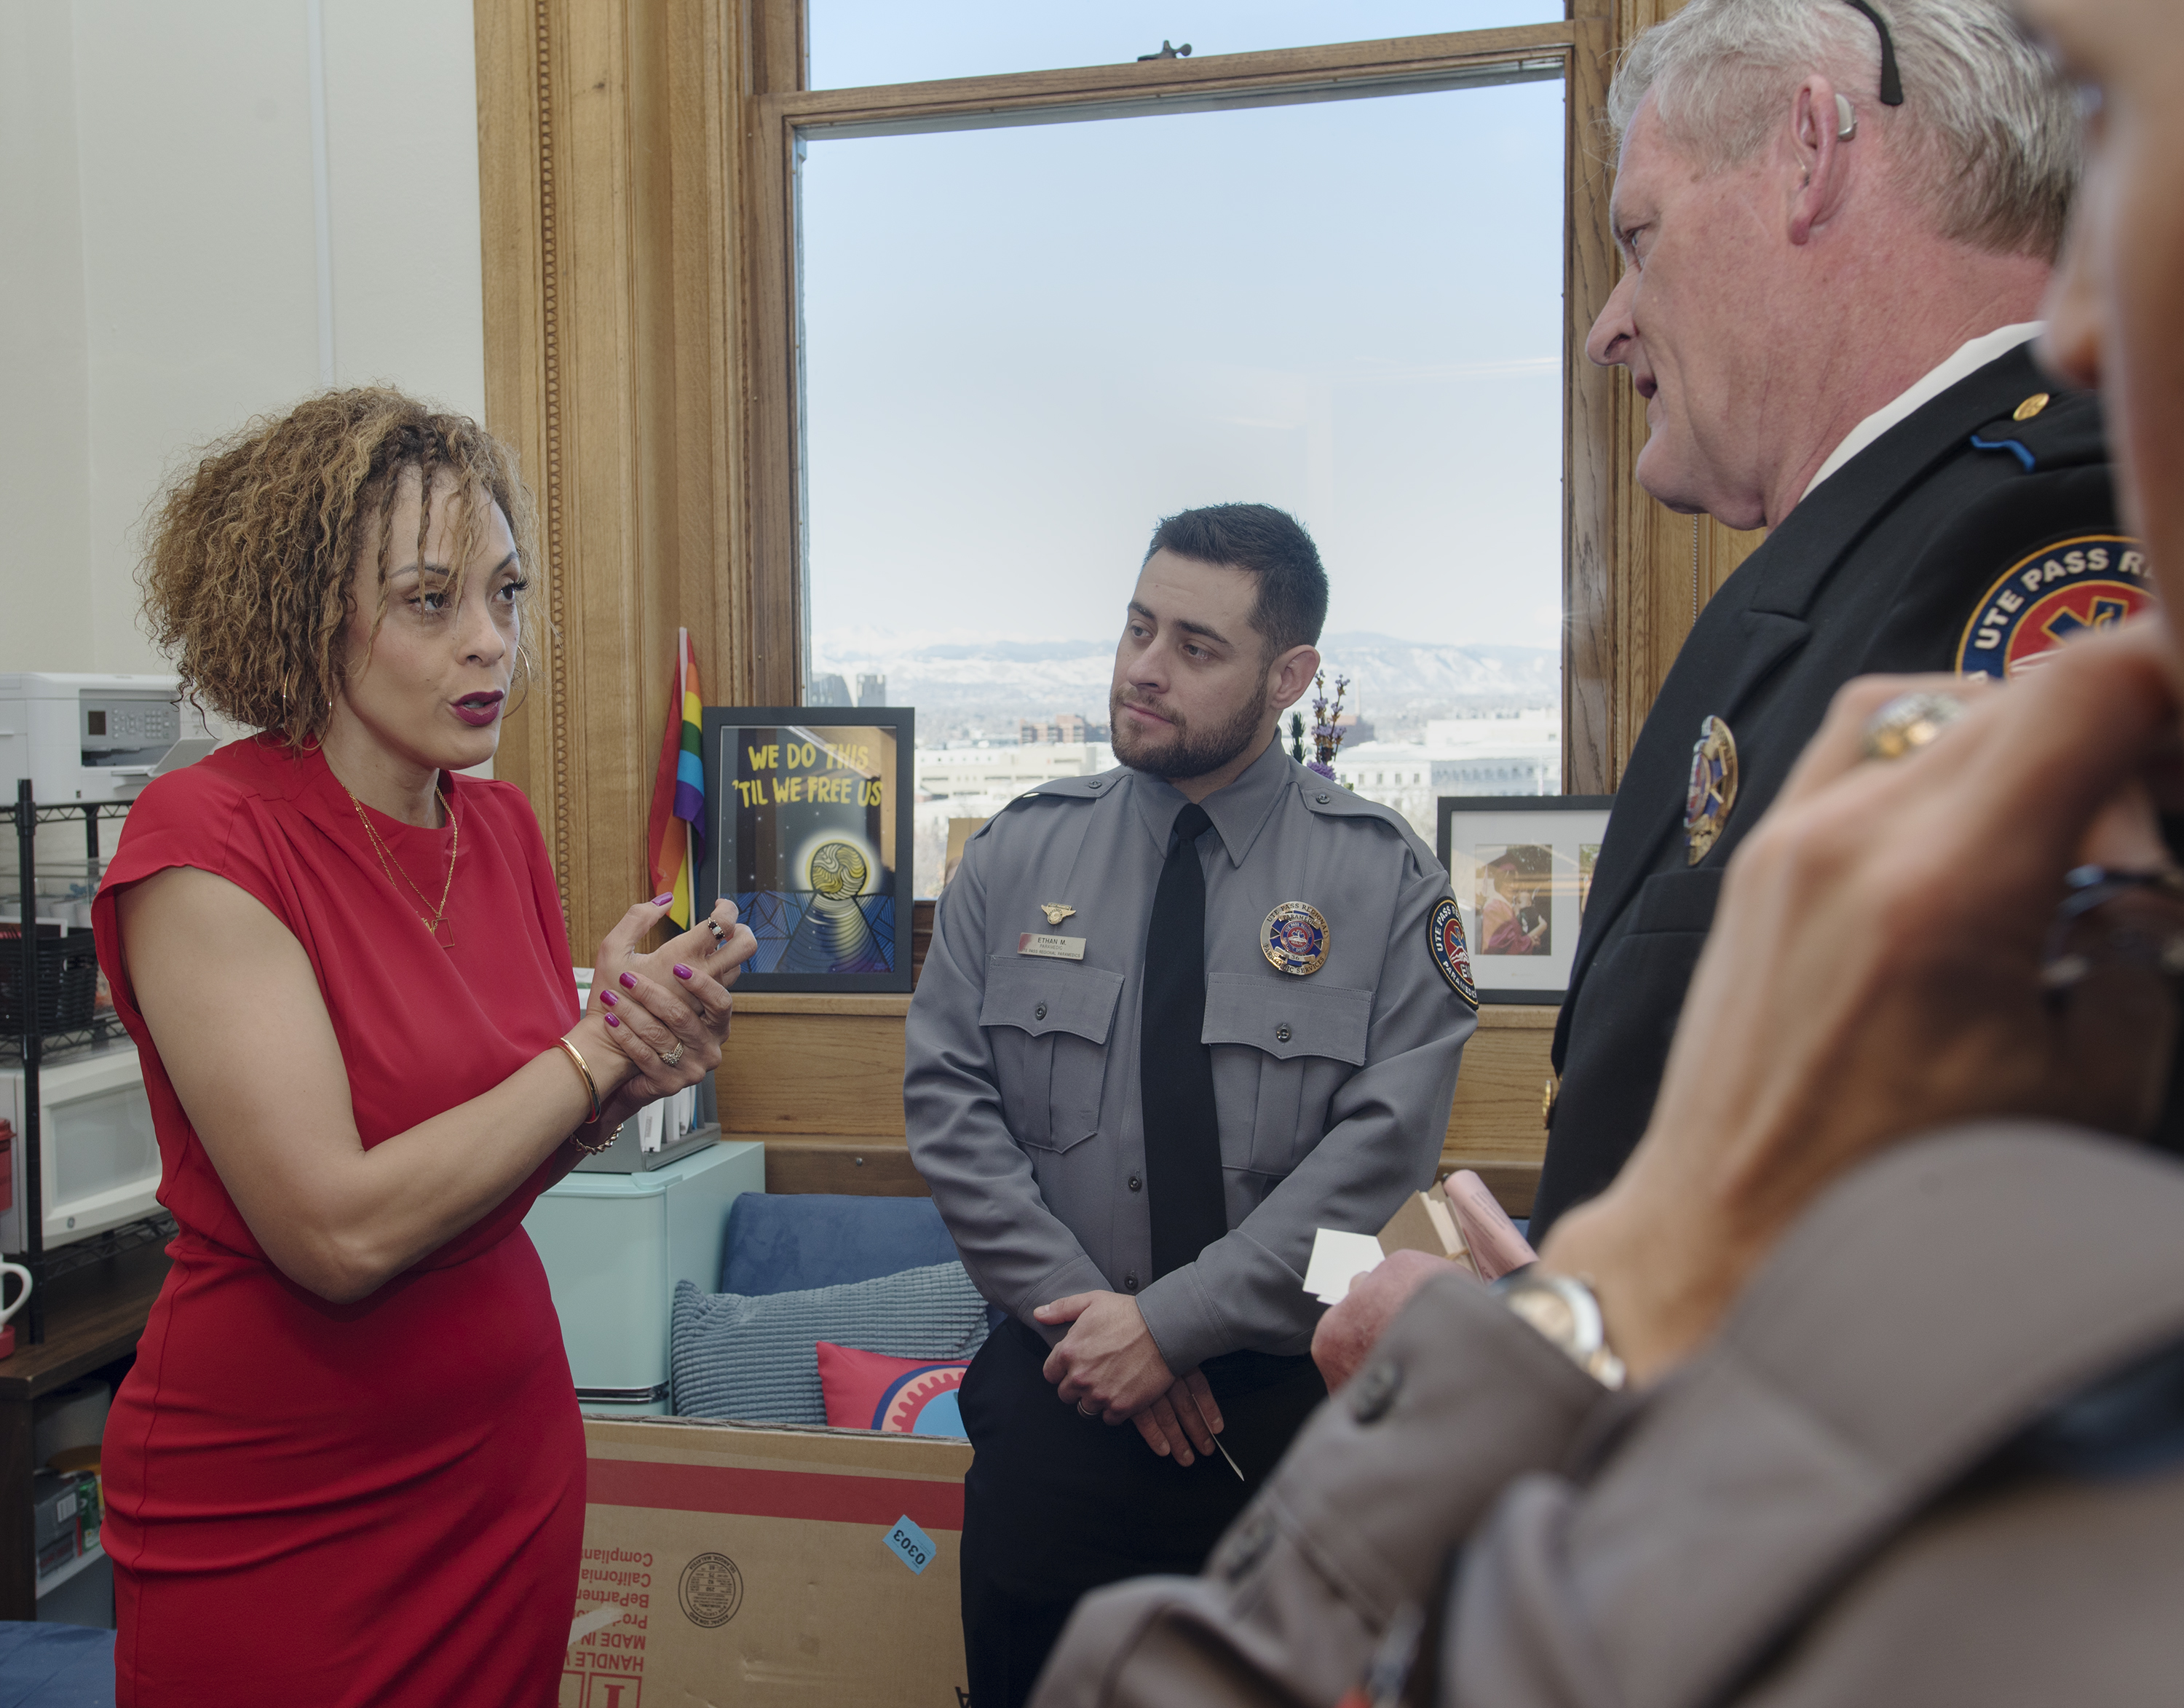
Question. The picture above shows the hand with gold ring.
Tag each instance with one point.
(668, 1012)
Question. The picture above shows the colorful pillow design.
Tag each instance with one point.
(896, 1396)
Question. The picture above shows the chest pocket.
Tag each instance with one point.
(1281, 1048)
(1047, 1023)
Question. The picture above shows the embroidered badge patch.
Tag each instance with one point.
(2055, 595)
(1444, 943)
(1294, 938)
(1712, 790)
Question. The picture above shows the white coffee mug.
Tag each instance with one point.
(23, 1298)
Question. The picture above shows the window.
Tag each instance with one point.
(1032, 314)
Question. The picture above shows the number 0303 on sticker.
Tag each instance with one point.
(909, 1544)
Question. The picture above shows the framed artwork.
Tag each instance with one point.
(1521, 868)
(808, 832)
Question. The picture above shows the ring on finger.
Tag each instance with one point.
(1082, 1412)
(719, 936)
(674, 1054)
(1909, 722)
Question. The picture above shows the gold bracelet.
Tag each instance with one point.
(591, 1087)
(591, 1091)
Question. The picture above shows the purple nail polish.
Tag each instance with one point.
(662, 901)
(628, 983)
(682, 971)
(608, 998)
(612, 1021)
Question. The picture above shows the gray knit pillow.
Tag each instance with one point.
(754, 1357)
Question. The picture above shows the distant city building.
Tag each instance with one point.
(976, 780)
(1059, 727)
(1006, 771)
(871, 691)
(1511, 755)
(828, 690)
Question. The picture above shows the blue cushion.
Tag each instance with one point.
(789, 1242)
(755, 1360)
(55, 1666)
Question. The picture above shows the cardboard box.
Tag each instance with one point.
(734, 1564)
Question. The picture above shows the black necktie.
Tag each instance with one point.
(1183, 1128)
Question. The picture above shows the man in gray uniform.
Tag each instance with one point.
(1174, 1018)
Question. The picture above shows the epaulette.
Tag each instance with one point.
(1076, 788)
(2049, 430)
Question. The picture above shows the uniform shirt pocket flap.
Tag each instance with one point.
(1289, 1018)
(1677, 900)
(1040, 996)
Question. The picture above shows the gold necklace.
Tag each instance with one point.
(391, 866)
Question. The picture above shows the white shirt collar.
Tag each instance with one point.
(1971, 357)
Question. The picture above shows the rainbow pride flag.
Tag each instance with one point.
(675, 834)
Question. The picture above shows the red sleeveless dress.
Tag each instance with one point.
(373, 1502)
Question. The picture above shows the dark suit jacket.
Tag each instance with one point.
(1882, 568)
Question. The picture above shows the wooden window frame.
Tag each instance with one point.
(639, 319)
(1577, 49)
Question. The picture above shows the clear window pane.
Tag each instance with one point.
(1024, 346)
(856, 42)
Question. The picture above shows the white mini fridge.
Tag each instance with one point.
(614, 1247)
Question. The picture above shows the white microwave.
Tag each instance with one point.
(98, 1158)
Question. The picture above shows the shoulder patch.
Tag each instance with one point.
(2053, 596)
(1444, 943)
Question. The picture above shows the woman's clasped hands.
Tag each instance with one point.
(664, 1013)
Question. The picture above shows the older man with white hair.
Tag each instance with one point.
(1836, 221)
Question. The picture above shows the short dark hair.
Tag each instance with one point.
(1271, 544)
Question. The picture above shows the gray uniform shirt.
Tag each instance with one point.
(1022, 1090)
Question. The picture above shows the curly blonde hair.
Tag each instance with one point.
(251, 571)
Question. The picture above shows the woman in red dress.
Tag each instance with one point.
(348, 1466)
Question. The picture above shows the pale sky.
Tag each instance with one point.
(1024, 346)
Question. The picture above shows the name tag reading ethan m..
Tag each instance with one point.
(1053, 947)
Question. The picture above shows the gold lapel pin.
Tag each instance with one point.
(1056, 912)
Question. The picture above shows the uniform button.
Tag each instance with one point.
(1092, 784)
(1246, 1545)
(1039, 1012)
(1323, 797)
(1374, 1392)
(1281, 1035)
(1136, 1185)
(1130, 1282)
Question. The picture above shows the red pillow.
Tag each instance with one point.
(898, 1396)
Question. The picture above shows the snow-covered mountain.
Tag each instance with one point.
(969, 675)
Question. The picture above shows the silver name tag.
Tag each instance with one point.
(1054, 948)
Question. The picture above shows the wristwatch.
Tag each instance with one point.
(1562, 1308)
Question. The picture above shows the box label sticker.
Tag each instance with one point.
(909, 1544)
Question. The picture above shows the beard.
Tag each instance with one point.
(1183, 750)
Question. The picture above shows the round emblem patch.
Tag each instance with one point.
(1294, 938)
(1444, 943)
(1712, 790)
(711, 1590)
(2055, 595)
(922, 1402)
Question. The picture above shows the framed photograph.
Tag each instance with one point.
(808, 831)
(1521, 868)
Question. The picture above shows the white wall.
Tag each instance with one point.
(162, 276)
